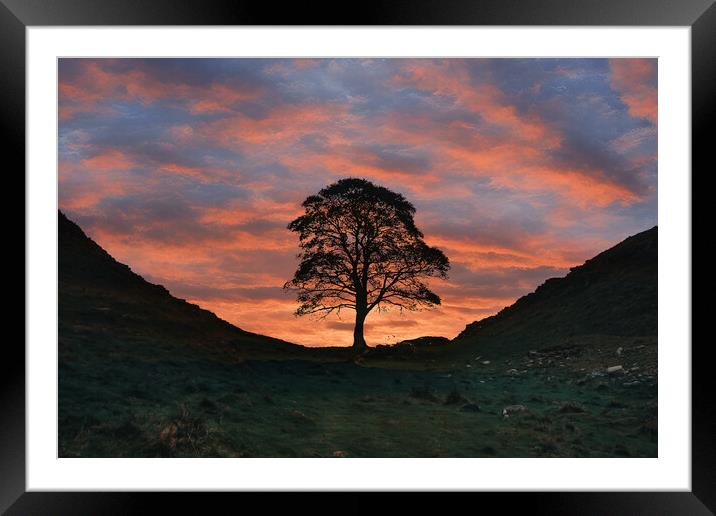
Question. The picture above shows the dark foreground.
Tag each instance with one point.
(144, 374)
(142, 401)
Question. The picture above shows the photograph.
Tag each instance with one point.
(357, 257)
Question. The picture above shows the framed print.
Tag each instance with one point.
(436, 250)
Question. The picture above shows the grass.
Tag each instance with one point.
(143, 374)
(134, 398)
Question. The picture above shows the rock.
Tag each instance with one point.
(485, 362)
(455, 398)
(468, 365)
(512, 372)
(630, 384)
(470, 407)
(651, 428)
(513, 409)
(340, 454)
(478, 358)
(572, 407)
(619, 351)
(423, 393)
(614, 369)
(300, 417)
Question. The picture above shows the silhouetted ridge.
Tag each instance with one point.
(614, 293)
(100, 296)
(82, 259)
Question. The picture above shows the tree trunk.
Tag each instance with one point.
(358, 339)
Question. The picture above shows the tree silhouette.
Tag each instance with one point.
(361, 250)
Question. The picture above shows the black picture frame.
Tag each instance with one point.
(17, 15)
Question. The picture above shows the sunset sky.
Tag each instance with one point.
(189, 170)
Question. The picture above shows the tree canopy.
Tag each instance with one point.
(361, 250)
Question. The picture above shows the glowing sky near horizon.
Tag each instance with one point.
(189, 170)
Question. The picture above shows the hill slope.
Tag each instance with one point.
(143, 374)
(612, 294)
(102, 299)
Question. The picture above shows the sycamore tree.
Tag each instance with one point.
(361, 250)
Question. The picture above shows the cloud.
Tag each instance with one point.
(189, 170)
(201, 86)
(635, 80)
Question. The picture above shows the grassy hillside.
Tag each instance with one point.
(612, 294)
(143, 374)
(169, 407)
(100, 298)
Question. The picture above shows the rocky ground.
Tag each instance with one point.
(576, 400)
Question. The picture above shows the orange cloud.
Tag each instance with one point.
(109, 160)
(81, 189)
(635, 80)
(283, 124)
(447, 78)
(97, 83)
